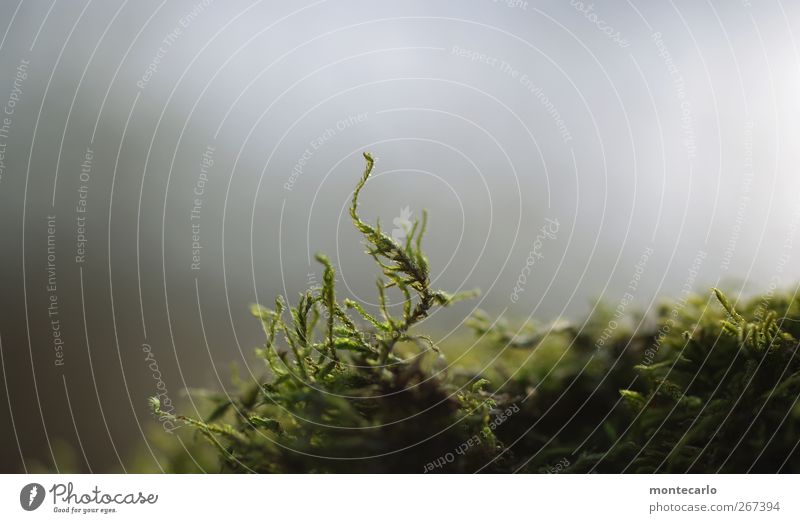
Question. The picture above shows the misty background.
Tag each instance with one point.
(163, 165)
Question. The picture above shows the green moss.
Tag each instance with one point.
(712, 387)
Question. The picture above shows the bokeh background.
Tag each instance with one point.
(163, 165)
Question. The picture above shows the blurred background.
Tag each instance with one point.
(163, 165)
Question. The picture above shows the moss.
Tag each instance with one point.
(712, 387)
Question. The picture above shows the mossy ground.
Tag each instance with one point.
(709, 387)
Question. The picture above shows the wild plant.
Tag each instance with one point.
(343, 385)
(711, 386)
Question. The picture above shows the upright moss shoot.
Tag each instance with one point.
(339, 388)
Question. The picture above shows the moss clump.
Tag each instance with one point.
(711, 388)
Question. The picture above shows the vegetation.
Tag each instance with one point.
(709, 387)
